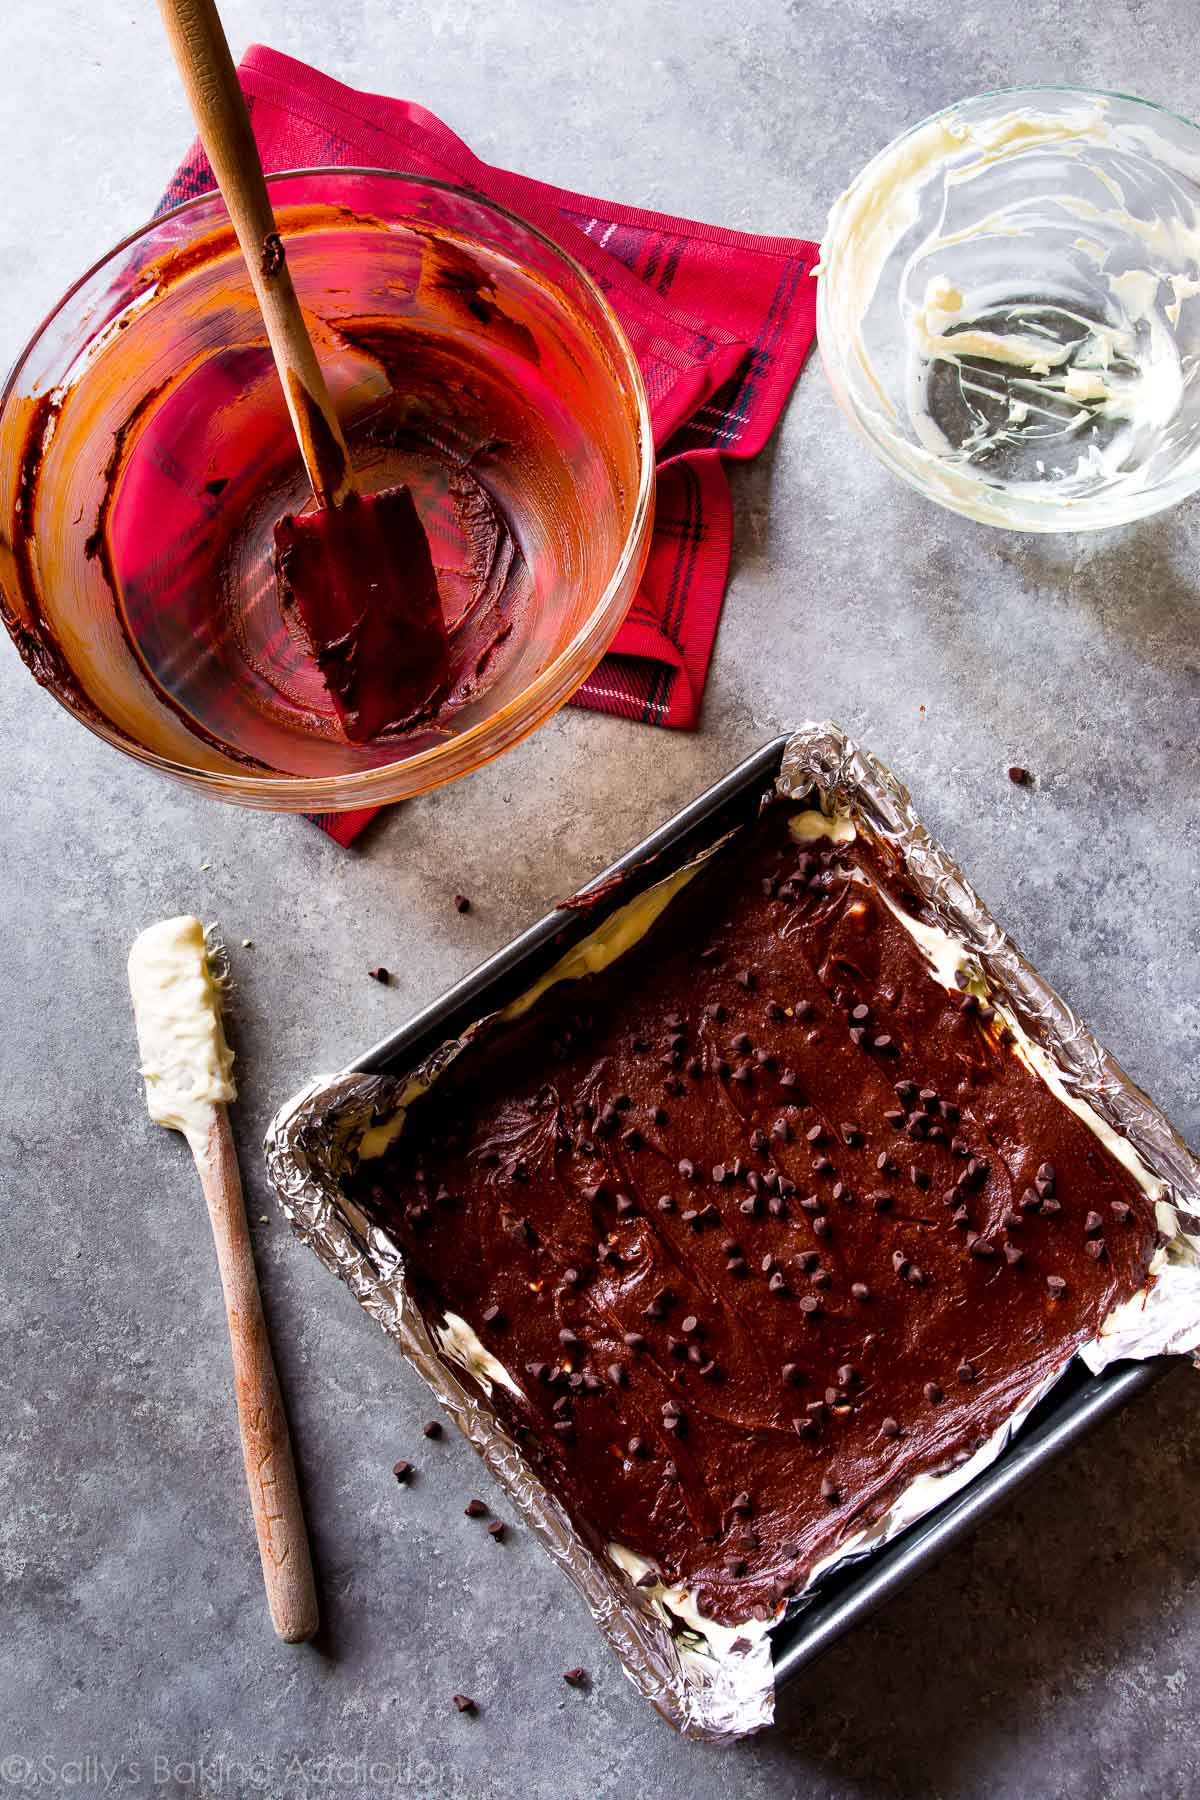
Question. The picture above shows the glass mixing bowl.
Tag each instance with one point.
(1008, 308)
(145, 453)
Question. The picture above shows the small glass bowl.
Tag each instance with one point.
(145, 453)
(1008, 308)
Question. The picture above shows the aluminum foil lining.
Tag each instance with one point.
(708, 1681)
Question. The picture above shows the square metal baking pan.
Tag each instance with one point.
(1077, 1404)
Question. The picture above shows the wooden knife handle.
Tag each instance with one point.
(202, 54)
(266, 1447)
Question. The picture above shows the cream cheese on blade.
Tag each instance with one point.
(185, 1062)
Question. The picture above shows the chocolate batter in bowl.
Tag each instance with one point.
(145, 454)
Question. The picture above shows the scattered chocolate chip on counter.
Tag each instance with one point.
(461, 903)
(403, 1471)
(381, 975)
(1020, 777)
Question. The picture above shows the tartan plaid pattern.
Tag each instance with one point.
(720, 321)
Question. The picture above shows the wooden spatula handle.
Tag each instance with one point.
(202, 54)
(266, 1447)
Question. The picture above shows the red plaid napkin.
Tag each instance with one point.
(720, 322)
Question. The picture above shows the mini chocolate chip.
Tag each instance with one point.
(686, 1169)
(860, 1291)
(1013, 1254)
(920, 1178)
(625, 1206)
(576, 1678)
(983, 1249)
(810, 1305)
(791, 1373)
(1020, 777)
(403, 1471)
(496, 1530)
(492, 1315)
(933, 1393)
(830, 1490)
(1050, 1207)
(380, 974)
(881, 1200)
(695, 1066)
(1056, 1285)
(464, 1703)
(967, 1373)
(1093, 1224)
(735, 1565)
(475, 1509)
(883, 1041)
(665, 1203)
(848, 1376)
(803, 1010)
(1121, 1211)
(433, 1429)
(1095, 1248)
(461, 903)
(670, 1470)
(889, 1428)
(778, 1284)
(617, 1375)
(895, 1118)
(744, 979)
(635, 1447)
(1047, 1172)
(900, 1262)
(742, 1505)
(1030, 1202)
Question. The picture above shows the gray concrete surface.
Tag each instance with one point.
(1057, 1655)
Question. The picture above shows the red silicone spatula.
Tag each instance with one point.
(354, 573)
